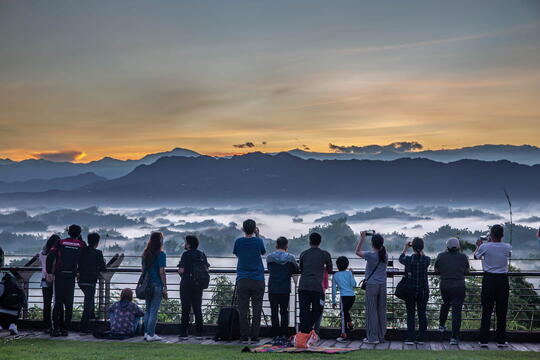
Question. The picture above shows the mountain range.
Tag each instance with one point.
(284, 177)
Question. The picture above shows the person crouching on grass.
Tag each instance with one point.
(345, 282)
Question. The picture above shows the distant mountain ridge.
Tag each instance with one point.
(107, 167)
(523, 154)
(258, 176)
(60, 183)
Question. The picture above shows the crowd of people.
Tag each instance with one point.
(67, 261)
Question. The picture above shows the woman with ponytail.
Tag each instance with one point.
(375, 287)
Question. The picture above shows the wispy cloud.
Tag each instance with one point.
(68, 155)
(431, 42)
(248, 144)
(400, 147)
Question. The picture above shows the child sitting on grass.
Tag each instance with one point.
(345, 282)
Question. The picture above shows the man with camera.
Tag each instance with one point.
(495, 287)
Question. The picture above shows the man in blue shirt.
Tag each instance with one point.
(250, 279)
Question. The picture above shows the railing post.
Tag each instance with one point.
(25, 277)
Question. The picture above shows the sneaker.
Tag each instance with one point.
(499, 345)
(409, 342)
(245, 340)
(341, 339)
(55, 333)
(454, 341)
(483, 345)
(13, 329)
(442, 328)
(367, 341)
(145, 336)
(183, 336)
(153, 338)
(419, 342)
(254, 339)
(198, 337)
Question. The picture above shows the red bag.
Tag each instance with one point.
(303, 340)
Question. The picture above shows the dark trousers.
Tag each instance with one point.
(47, 306)
(191, 298)
(495, 293)
(250, 290)
(452, 295)
(417, 303)
(7, 319)
(311, 308)
(89, 292)
(64, 287)
(279, 306)
(346, 305)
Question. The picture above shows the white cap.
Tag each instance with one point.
(452, 243)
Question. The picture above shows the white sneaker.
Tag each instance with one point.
(341, 339)
(153, 338)
(13, 329)
(366, 341)
(145, 337)
(502, 345)
(483, 345)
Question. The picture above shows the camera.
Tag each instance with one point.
(483, 238)
(370, 232)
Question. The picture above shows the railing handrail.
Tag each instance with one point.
(390, 272)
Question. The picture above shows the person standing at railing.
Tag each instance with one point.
(250, 280)
(91, 264)
(495, 286)
(377, 260)
(193, 267)
(452, 265)
(154, 261)
(46, 285)
(63, 264)
(416, 268)
(344, 282)
(310, 291)
(281, 266)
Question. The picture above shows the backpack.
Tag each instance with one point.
(199, 273)
(14, 296)
(305, 340)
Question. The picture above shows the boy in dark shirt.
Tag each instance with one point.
(281, 266)
(310, 291)
(91, 263)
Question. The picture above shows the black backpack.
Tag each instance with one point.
(14, 296)
(199, 273)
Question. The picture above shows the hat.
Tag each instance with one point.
(452, 243)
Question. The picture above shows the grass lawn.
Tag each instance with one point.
(60, 350)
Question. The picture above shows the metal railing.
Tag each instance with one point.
(523, 312)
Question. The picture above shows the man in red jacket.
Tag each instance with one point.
(62, 262)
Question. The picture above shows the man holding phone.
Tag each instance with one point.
(495, 286)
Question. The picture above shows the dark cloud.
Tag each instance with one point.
(306, 148)
(399, 147)
(248, 144)
(264, 142)
(69, 155)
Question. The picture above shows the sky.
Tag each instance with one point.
(123, 78)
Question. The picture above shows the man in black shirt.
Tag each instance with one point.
(313, 262)
(91, 263)
(452, 266)
(62, 266)
(190, 291)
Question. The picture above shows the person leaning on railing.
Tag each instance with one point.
(452, 265)
(495, 286)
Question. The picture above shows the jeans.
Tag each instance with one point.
(88, 310)
(152, 309)
(279, 306)
(191, 298)
(311, 308)
(47, 306)
(375, 312)
(249, 289)
(64, 288)
(418, 302)
(452, 295)
(495, 293)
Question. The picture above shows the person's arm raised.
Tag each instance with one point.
(360, 244)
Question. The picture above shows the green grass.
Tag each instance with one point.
(73, 350)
